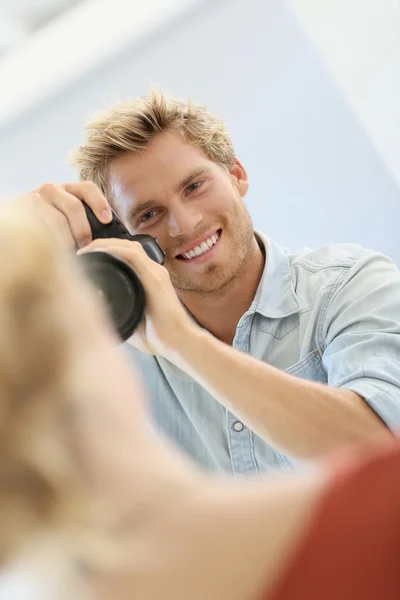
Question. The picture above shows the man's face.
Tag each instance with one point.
(193, 206)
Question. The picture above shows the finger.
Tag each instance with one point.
(105, 243)
(151, 273)
(116, 243)
(72, 208)
(54, 220)
(89, 193)
(131, 251)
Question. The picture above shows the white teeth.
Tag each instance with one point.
(204, 246)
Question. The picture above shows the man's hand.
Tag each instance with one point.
(165, 322)
(60, 207)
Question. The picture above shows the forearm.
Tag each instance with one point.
(303, 418)
(224, 542)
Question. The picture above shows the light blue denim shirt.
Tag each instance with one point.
(330, 315)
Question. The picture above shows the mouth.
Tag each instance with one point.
(201, 251)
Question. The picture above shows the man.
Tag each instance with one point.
(93, 506)
(329, 316)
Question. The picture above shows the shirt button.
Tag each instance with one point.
(238, 426)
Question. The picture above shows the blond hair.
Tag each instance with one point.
(131, 126)
(43, 487)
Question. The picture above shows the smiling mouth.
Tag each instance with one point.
(203, 248)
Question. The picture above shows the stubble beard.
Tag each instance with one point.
(216, 278)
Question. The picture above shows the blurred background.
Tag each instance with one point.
(310, 90)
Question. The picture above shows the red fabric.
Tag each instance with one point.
(352, 548)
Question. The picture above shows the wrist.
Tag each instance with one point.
(187, 341)
(182, 333)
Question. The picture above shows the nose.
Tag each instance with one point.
(183, 219)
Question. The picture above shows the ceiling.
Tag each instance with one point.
(21, 18)
(50, 44)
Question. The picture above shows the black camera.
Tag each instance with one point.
(114, 280)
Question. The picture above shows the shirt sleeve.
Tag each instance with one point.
(352, 547)
(361, 334)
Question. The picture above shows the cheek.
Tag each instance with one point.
(218, 204)
(229, 210)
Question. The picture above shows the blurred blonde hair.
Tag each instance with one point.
(131, 126)
(42, 484)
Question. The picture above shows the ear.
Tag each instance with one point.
(240, 177)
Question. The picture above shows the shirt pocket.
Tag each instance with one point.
(310, 368)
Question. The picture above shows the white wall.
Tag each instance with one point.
(316, 177)
(359, 41)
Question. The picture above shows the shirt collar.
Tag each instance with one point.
(275, 297)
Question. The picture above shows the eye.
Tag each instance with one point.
(149, 215)
(194, 186)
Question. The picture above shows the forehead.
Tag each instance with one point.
(166, 160)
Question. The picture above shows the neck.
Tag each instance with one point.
(220, 313)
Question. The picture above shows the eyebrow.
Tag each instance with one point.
(143, 206)
(193, 175)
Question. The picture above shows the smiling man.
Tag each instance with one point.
(325, 322)
(193, 206)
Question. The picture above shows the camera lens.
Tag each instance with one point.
(119, 287)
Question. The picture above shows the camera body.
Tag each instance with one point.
(114, 280)
(116, 229)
